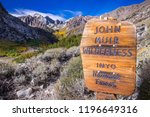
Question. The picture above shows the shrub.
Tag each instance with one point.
(60, 33)
(23, 57)
(21, 49)
(55, 53)
(73, 51)
(2, 53)
(70, 85)
(11, 49)
(67, 42)
(33, 43)
(6, 70)
(145, 86)
(6, 84)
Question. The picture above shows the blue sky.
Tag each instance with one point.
(64, 9)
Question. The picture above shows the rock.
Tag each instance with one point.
(42, 87)
(141, 31)
(31, 96)
(138, 81)
(24, 93)
(33, 82)
(47, 92)
(134, 96)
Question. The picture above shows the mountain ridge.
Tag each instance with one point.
(13, 29)
(126, 12)
(136, 14)
(43, 22)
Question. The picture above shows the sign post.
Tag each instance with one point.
(108, 51)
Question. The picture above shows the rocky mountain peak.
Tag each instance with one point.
(37, 15)
(132, 13)
(77, 21)
(13, 29)
(2, 9)
(147, 1)
(75, 26)
(40, 21)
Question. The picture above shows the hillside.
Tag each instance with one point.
(134, 13)
(138, 14)
(73, 26)
(13, 29)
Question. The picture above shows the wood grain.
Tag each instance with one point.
(125, 66)
(105, 96)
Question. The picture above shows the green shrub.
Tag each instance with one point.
(33, 43)
(11, 49)
(23, 57)
(70, 85)
(67, 42)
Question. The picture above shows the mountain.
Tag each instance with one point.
(75, 25)
(134, 13)
(139, 15)
(42, 22)
(12, 28)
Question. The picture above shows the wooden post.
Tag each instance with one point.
(105, 96)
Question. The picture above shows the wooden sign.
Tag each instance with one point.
(108, 51)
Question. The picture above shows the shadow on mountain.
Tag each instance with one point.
(144, 89)
(13, 29)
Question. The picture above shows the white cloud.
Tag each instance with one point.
(24, 12)
(74, 13)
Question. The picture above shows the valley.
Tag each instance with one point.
(40, 56)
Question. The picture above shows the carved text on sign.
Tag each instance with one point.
(102, 65)
(107, 84)
(107, 29)
(108, 51)
(107, 40)
(108, 75)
